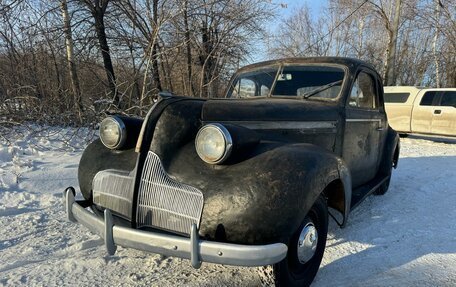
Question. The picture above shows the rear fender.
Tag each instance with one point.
(391, 152)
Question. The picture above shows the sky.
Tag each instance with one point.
(259, 52)
(293, 5)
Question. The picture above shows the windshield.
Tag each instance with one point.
(289, 81)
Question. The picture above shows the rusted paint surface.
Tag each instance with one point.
(278, 169)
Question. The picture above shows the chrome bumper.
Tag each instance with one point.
(170, 245)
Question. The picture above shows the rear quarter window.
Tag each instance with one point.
(396, 97)
(449, 99)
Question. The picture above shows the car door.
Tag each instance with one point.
(423, 113)
(365, 126)
(444, 115)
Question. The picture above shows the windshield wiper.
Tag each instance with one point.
(319, 89)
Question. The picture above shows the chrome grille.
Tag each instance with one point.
(113, 189)
(164, 202)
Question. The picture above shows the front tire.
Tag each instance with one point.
(300, 267)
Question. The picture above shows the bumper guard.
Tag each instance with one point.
(192, 248)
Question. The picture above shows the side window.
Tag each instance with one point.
(363, 93)
(353, 101)
(428, 98)
(264, 91)
(244, 88)
(235, 92)
(449, 99)
(396, 97)
(247, 88)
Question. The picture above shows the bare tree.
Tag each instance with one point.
(192, 47)
(190, 89)
(397, 37)
(98, 10)
(70, 58)
(434, 43)
(393, 29)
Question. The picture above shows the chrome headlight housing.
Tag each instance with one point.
(113, 132)
(213, 143)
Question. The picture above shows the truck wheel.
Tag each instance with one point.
(305, 251)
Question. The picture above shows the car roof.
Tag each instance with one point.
(349, 62)
(396, 89)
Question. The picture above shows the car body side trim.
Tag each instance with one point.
(287, 125)
(363, 120)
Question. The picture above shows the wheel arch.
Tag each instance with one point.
(330, 178)
(391, 152)
(335, 198)
(338, 193)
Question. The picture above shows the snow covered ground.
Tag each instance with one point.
(404, 238)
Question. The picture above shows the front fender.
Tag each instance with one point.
(262, 199)
(97, 157)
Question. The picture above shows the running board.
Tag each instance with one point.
(359, 194)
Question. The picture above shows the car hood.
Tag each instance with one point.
(268, 109)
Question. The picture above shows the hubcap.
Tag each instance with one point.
(307, 243)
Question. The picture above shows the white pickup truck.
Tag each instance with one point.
(421, 110)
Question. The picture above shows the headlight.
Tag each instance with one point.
(213, 143)
(113, 132)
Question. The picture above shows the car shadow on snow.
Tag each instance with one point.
(412, 222)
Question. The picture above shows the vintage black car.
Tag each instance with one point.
(246, 180)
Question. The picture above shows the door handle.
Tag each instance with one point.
(437, 112)
(380, 129)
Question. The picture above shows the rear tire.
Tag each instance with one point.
(383, 188)
(292, 271)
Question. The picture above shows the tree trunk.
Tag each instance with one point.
(434, 45)
(451, 82)
(71, 65)
(98, 15)
(155, 68)
(206, 59)
(360, 51)
(390, 77)
(189, 50)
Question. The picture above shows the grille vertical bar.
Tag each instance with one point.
(113, 189)
(164, 202)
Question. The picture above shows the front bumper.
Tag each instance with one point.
(192, 248)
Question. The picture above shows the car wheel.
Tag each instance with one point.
(383, 188)
(98, 211)
(305, 251)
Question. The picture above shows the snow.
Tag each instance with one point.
(404, 238)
